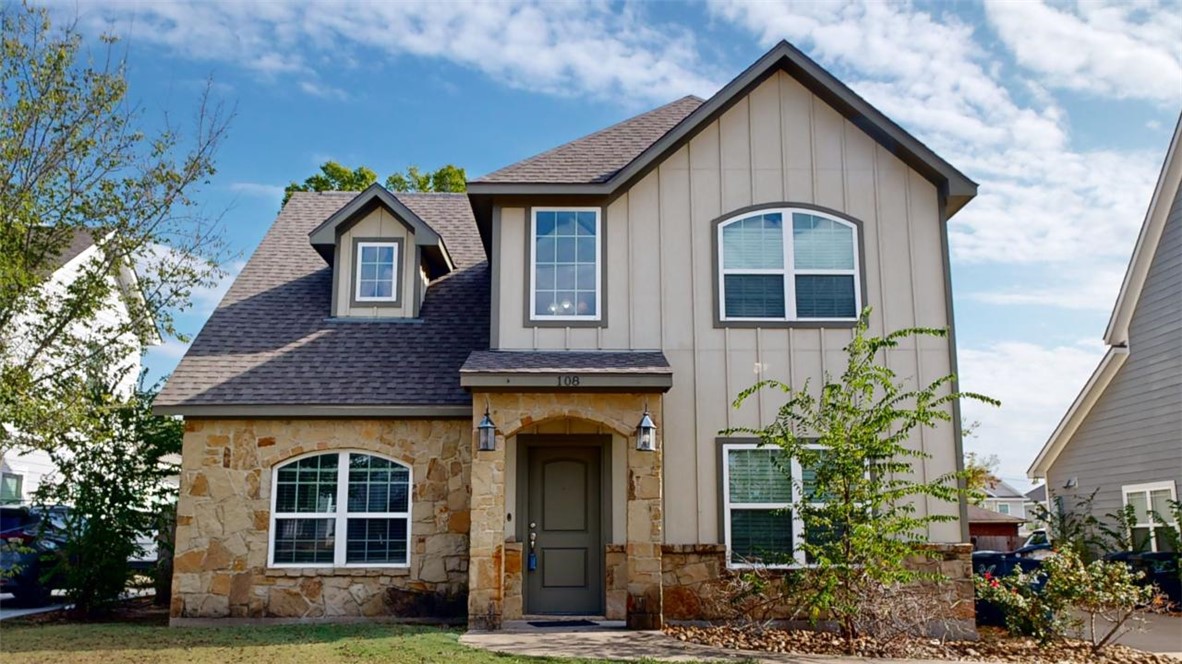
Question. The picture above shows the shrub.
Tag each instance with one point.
(1039, 603)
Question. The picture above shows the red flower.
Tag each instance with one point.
(994, 583)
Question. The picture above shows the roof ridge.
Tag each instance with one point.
(600, 132)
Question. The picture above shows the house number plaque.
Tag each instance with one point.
(568, 380)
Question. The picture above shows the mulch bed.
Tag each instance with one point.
(995, 645)
(140, 610)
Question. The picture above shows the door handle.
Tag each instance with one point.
(531, 562)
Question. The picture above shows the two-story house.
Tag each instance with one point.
(1120, 441)
(23, 471)
(516, 394)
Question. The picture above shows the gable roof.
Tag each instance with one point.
(324, 236)
(81, 239)
(982, 515)
(1151, 231)
(956, 188)
(596, 157)
(1038, 494)
(1117, 333)
(271, 346)
(1002, 490)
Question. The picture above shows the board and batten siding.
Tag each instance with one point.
(379, 224)
(1133, 433)
(779, 144)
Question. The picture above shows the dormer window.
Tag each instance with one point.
(376, 276)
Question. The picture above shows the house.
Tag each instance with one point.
(1121, 438)
(990, 530)
(1004, 499)
(424, 400)
(1036, 501)
(22, 474)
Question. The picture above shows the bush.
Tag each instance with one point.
(1039, 603)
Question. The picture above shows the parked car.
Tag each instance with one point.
(1161, 568)
(30, 538)
(1037, 546)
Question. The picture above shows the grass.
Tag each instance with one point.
(109, 643)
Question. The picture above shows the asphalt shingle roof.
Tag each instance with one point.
(614, 362)
(982, 515)
(597, 157)
(272, 341)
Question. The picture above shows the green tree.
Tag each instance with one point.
(980, 471)
(113, 474)
(74, 159)
(335, 177)
(860, 491)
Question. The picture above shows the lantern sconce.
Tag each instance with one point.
(487, 431)
(646, 433)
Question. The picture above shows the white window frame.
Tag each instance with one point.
(1147, 488)
(533, 265)
(361, 246)
(789, 271)
(19, 498)
(1003, 508)
(798, 554)
(340, 516)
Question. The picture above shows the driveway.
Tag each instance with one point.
(1162, 634)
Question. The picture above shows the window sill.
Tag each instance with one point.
(781, 324)
(337, 571)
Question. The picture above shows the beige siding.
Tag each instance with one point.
(778, 144)
(378, 224)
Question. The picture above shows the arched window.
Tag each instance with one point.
(788, 264)
(317, 498)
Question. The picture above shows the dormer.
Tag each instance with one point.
(383, 257)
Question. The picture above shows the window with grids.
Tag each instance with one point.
(316, 499)
(759, 523)
(377, 271)
(565, 274)
(1151, 508)
(786, 265)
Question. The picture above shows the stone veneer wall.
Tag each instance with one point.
(692, 576)
(223, 519)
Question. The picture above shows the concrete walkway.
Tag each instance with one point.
(611, 641)
(1162, 634)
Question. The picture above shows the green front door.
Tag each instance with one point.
(565, 529)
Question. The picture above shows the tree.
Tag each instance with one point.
(75, 159)
(858, 492)
(335, 177)
(113, 475)
(980, 473)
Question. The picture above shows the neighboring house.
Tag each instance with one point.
(337, 401)
(1004, 499)
(990, 530)
(1122, 437)
(1036, 498)
(22, 474)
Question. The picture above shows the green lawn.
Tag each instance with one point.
(109, 643)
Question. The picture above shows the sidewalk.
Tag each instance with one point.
(611, 641)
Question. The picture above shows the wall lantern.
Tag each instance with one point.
(488, 432)
(646, 433)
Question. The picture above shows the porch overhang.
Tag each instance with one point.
(587, 371)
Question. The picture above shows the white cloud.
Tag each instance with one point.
(206, 298)
(259, 189)
(1040, 201)
(1121, 49)
(171, 350)
(1035, 384)
(1086, 289)
(591, 48)
(318, 89)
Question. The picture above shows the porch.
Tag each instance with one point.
(566, 510)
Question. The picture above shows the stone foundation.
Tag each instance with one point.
(223, 520)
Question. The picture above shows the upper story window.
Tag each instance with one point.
(340, 509)
(377, 272)
(566, 270)
(787, 264)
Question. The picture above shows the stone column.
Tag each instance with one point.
(487, 537)
(645, 517)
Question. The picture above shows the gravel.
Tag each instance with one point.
(994, 646)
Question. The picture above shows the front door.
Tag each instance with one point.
(564, 524)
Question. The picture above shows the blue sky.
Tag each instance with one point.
(1062, 112)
